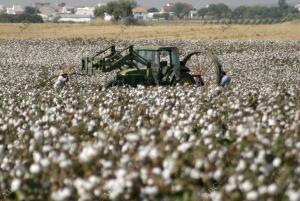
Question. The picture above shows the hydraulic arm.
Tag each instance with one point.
(107, 62)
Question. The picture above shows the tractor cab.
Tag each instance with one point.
(164, 62)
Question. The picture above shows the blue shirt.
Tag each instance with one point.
(225, 80)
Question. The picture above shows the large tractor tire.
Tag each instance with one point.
(205, 64)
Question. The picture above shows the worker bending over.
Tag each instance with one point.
(61, 81)
(226, 79)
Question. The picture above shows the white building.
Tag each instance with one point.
(140, 13)
(15, 10)
(298, 7)
(2, 8)
(75, 18)
(193, 14)
(48, 12)
(85, 11)
(108, 17)
(65, 10)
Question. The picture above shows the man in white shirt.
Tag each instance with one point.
(61, 82)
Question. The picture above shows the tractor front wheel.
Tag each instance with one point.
(186, 79)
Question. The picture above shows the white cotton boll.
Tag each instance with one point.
(15, 185)
(252, 195)
(4, 127)
(271, 122)
(246, 186)
(53, 131)
(46, 134)
(87, 154)
(78, 183)
(91, 126)
(276, 162)
(178, 134)
(35, 168)
(150, 190)
(263, 190)
(143, 152)
(132, 137)
(97, 192)
(106, 164)
(212, 155)
(241, 166)
(261, 157)
(199, 163)
(210, 112)
(46, 148)
(195, 174)
(298, 145)
(94, 180)
(153, 154)
(125, 159)
(218, 174)
(273, 189)
(38, 135)
(65, 164)
(184, 147)
(36, 156)
(230, 187)
(215, 196)
(293, 195)
(207, 141)
(289, 142)
(157, 170)
(61, 194)
(266, 169)
(253, 167)
(74, 122)
(20, 170)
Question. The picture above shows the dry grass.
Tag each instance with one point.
(285, 31)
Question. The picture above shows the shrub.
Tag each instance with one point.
(25, 18)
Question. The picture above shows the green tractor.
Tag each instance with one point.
(153, 65)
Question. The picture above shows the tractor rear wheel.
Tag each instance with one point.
(186, 79)
(207, 65)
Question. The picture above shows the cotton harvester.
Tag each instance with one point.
(154, 65)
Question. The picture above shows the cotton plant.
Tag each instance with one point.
(149, 143)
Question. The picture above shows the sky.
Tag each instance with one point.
(151, 3)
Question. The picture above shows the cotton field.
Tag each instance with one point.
(189, 143)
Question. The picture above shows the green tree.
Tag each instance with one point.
(217, 11)
(239, 12)
(31, 10)
(202, 12)
(24, 18)
(181, 9)
(224, 10)
(119, 9)
(99, 11)
(153, 10)
(282, 4)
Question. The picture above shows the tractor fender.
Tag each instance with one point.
(184, 69)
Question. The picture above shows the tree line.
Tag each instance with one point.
(222, 11)
(123, 9)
